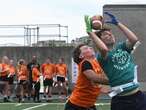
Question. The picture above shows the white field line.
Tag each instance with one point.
(29, 108)
(44, 104)
(18, 104)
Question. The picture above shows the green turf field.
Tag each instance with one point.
(44, 106)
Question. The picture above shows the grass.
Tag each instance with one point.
(44, 106)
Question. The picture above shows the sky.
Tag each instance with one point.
(64, 12)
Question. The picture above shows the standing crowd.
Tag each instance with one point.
(22, 80)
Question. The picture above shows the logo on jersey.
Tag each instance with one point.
(121, 59)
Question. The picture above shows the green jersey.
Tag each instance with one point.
(119, 65)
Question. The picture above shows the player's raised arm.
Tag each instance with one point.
(100, 45)
(131, 37)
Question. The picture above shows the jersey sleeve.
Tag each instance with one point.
(86, 65)
(122, 45)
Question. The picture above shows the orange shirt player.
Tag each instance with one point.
(48, 71)
(22, 72)
(61, 75)
(61, 70)
(4, 71)
(36, 83)
(90, 75)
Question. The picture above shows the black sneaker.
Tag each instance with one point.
(38, 101)
(19, 100)
(28, 98)
(6, 100)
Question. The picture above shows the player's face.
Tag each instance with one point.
(22, 62)
(5, 60)
(11, 62)
(34, 59)
(48, 61)
(87, 52)
(108, 38)
(60, 61)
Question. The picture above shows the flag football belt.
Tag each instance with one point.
(121, 88)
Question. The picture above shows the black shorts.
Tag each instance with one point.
(11, 80)
(48, 82)
(61, 79)
(136, 101)
(22, 82)
(4, 78)
(70, 106)
(36, 86)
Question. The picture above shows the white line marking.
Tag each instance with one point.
(19, 104)
(43, 104)
(35, 106)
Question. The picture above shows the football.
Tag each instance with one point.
(97, 22)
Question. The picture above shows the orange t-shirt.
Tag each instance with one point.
(12, 70)
(48, 71)
(5, 69)
(22, 72)
(61, 69)
(85, 92)
(35, 74)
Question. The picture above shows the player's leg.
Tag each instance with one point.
(30, 89)
(59, 82)
(18, 91)
(26, 89)
(50, 87)
(10, 87)
(21, 91)
(63, 86)
(33, 91)
(37, 91)
(6, 88)
(45, 88)
(65, 90)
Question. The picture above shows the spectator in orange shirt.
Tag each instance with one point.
(90, 75)
(36, 83)
(48, 71)
(22, 75)
(61, 74)
(4, 70)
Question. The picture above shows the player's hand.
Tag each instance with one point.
(104, 89)
(88, 23)
(112, 17)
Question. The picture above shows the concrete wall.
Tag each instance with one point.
(134, 16)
